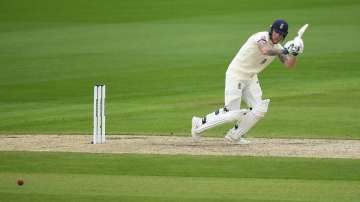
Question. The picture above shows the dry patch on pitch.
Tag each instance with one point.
(318, 148)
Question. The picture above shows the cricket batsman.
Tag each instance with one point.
(242, 83)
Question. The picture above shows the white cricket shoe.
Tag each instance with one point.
(229, 137)
(195, 124)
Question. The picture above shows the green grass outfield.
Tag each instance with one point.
(106, 177)
(164, 61)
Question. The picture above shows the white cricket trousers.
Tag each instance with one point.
(237, 89)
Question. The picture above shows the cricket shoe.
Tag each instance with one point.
(196, 122)
(229, 137)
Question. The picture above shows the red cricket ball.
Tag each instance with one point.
(20, 182)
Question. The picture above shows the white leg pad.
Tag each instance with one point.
(220, 117)
(250, 119)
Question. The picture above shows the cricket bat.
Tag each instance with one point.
(298, 39)
(302, 30)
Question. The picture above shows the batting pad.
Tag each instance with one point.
(220, 117)
(251, 118)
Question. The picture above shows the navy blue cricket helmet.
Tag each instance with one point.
(279, 26)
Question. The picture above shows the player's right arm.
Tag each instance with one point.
(288, 60)
(270, 51)
(283, 54)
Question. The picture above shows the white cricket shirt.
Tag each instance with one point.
(249, 61)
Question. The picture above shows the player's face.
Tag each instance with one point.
(276, 37)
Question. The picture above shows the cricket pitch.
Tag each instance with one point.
(139, 144)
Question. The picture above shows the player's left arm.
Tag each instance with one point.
(288, 60)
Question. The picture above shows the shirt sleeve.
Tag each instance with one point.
(260, 37)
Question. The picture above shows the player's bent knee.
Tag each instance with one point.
(234, 115)
(260, 109)
(237, 115)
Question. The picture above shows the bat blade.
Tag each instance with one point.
(302, 30)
